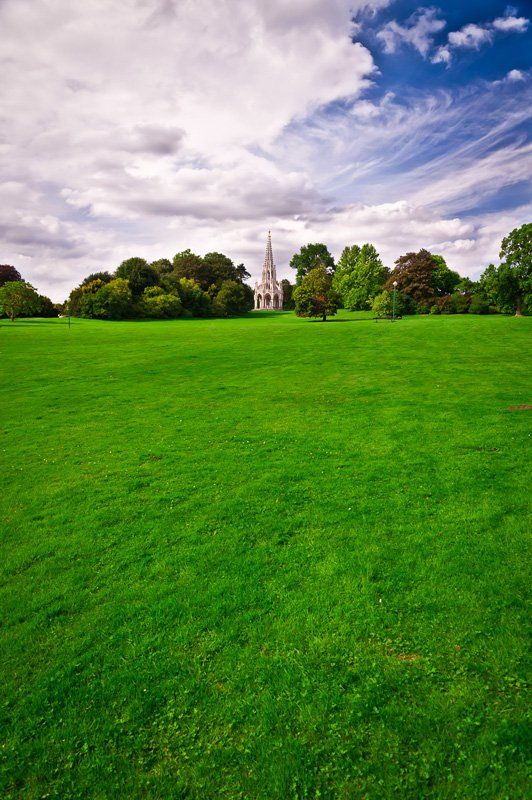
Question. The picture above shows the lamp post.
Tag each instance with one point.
(394, 296)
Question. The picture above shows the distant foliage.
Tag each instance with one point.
(509, 286)
(479, 305)
(186, 286)
(288, 291)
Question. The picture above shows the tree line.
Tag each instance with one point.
(194, 286)
(420, 282)
(187, 286)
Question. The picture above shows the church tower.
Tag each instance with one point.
(268, 293)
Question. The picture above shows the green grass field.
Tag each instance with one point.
(265, 558)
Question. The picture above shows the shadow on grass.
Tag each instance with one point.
(22, 324)
(358, 319)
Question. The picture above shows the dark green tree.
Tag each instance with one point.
(288, 291)
(309, 257)
(104, 277)
(45, 308)
(162, 266)
(315, 296)
(193, 298)
(139, 274)
(18, 299)
(232, 299)
(9, 274)
(444, 280)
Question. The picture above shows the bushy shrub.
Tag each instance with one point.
(479, 305)
(460, 302)
(382, 304)
(158, 305)
(193, 298)
(233, 298)
(445, 304)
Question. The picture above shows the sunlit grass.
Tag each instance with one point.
(264, 558)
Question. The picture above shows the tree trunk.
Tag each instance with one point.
(518, 311)
(324, 318)
(12, 316)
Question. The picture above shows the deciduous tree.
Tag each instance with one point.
(139, 274)
(315, 296)
(9, 274)
(515, 271)
(233, 298)
(414, 276)
(18, 299)
(309, 257)
(360, 276)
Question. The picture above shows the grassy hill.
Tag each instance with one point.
(264, 558)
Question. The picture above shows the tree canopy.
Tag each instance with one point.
(9, 274)
(359, 276)
(315, 296)
(309, 257)
(18, 299)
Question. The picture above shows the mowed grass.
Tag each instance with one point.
(265, 558)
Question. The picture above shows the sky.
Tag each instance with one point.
(146, 127)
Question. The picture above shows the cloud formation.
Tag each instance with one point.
(418, 31)
(148, 126)
(473, 37)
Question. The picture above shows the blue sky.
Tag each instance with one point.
(156, 125)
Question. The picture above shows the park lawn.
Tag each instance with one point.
(264, 558)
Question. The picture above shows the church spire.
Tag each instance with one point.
(268, 293)
(269, 278)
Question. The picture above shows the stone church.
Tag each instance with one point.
(268, 293)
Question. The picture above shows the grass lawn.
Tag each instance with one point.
(264, 558)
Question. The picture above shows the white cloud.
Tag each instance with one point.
(515, 75)
(511, 24)
(473, 36)
(442, 55)
(417, 32)
(149, 126)
(470, 36)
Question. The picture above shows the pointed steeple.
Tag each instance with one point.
(268, 293)
(269, 278)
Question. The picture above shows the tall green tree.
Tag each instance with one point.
(309, 257)
(18, 299)
(360, 276)
(515, 271)
(315, 296)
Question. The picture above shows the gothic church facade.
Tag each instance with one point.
(269, 292)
